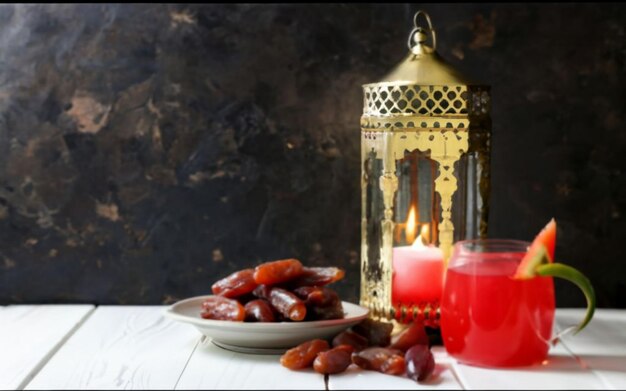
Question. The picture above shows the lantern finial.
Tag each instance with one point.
(419, 34)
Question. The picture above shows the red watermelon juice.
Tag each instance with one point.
(490, 319)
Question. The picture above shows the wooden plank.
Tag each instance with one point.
(560, 371)
(135, 347)
(212, 367)
(30, 335)
(130, 347)
(601, 346)
(356, 378)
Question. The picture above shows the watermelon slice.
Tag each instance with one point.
(537, 255)
(547, 236)
(538, 262)
(540, 251)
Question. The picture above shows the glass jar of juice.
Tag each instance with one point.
(488, 318)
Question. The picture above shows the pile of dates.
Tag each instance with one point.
(276, 291)
(369, 346)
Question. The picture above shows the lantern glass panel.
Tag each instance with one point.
(416, 203)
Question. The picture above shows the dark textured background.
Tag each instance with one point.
(148, 149)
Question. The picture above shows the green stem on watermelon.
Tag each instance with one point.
(570, 274)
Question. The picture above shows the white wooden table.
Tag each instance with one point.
(136, 347)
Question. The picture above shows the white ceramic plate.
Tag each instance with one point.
(262, 338)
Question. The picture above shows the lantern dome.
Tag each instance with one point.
(425, 68)
(423, 90)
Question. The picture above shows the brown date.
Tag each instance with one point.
(236, 284)
(385, 360)
(287, 304)
(259, 311)
(334, 311)
(317, 276)
(413, 335)
(347, 348)
(222, 308)
(272, 273)
(248, 297)
(303, 355)
(321, 303)
(332, 361)
(262, 292)
(316, 296)
(350, 338)
(377, 333)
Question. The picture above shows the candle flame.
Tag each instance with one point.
(411, 225)
(425, 231)
(411, 229)
(422, 238)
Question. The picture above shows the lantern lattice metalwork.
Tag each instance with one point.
(425, 134)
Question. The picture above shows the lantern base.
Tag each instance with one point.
(427, 313)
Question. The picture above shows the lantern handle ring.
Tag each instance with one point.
(422, 30)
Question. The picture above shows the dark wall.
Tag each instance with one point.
(147, 150)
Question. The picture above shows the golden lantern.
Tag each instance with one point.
(425, 134)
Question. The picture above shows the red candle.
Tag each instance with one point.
(418, 273)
